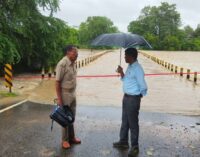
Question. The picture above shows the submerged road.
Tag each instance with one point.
(25, 132)
(166, 93)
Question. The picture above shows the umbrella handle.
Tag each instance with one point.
(120, 60)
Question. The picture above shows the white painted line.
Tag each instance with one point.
(15, 105)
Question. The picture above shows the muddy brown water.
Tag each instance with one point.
(167, 94)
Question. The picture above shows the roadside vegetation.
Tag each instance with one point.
(30, 40)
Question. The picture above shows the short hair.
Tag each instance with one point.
(68, 48)
(132, 52)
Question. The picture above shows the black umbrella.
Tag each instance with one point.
(124, 40)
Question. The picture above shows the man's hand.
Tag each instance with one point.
(59, 102)
(120, 71)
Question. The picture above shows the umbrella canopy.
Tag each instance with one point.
(124, 40)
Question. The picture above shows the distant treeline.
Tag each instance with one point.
(161, 27)
(31, 40)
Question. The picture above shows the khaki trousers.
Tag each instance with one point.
(68, 132)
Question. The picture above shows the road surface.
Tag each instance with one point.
(25, 132)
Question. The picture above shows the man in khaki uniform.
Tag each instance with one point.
(66, 90)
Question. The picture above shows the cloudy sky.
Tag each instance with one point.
(121, 12)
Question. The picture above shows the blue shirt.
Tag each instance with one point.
(133, 80)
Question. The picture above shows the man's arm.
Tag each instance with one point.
(59, 77)
(141, 81)
(58, 92)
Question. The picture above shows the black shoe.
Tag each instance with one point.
(121, 144)
(133, 152)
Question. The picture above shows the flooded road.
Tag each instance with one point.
(185, 59)
(169, 94)
(166, 94)
(25, 132)
(84, 53)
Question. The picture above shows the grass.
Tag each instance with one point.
(7, 94)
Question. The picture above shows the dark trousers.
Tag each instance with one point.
(68, 133)
(130, 113)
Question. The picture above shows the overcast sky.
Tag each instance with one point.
(121, 12)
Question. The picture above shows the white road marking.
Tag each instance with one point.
(15, 105)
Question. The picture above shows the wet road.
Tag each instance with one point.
(25, 131)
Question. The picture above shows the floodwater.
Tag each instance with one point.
(169, 94)
(28, 83)
(185, 59)
(166, 93)
(84, 53)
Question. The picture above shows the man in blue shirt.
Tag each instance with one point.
(134, 88)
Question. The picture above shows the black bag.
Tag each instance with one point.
(62, 115)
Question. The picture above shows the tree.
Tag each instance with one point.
(29, 39)
(8, 51)
(162, 21)
(15, 16)
(93, 27)
(197, 32)
(171, 43)
(196, 42)
(189, 32)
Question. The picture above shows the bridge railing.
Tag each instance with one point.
(173, 68)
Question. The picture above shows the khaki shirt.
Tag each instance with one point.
(66, 74)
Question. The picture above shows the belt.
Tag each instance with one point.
(127, 95)
(71, 90)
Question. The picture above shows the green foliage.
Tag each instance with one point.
(29, 38)
(157, 24)
(6, 94)
(51, 5)
(152, 38)
(8, 51)
(171, 43)
(188, 32)
(196, 33)
(196, 42)
(93, 27)
(161, 27)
